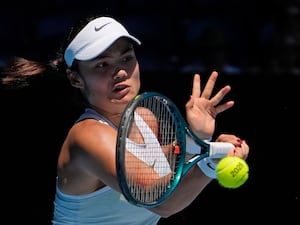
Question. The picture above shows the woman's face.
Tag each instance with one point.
(111, 80)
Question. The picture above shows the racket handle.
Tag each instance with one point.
(216, 149)
(219, 149)
(208, 167)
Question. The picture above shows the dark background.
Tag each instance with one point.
(253, 44)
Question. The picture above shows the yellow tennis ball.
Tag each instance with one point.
(232, 172)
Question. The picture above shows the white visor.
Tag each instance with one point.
(97, 36)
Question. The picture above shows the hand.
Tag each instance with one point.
(202, 109)
(241, 147)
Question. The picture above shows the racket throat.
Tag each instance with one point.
(191, 146)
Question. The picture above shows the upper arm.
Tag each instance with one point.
(92, 147)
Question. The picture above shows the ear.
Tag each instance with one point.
(74, 78)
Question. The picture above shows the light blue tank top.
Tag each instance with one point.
(102, 207)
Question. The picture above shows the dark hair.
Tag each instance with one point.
(20, 72)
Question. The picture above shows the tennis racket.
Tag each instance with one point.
(151, 151)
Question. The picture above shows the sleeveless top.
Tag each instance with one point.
(102, 207)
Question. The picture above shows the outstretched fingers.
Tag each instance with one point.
(208, 89)
(196, 90)
(223, 107)
(207, 92)
(219, 97)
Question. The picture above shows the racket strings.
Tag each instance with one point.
(148, 195)
(153, 134)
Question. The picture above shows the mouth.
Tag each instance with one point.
(119, 92)
(120, 88)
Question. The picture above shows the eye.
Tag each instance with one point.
(101, 65)
(125, 59)
(128, 58)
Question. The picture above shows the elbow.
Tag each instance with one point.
(166, 211)
(167, 215)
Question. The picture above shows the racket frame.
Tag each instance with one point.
(182, 130)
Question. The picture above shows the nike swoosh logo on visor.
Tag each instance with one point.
(99, 28)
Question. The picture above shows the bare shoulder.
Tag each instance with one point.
(88, 153)
(91, 130)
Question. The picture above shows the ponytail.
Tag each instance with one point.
(20, 72)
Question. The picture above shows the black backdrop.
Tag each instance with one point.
(35, 121)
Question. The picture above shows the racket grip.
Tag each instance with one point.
(219, 149)
(208, 167)
(216, 150)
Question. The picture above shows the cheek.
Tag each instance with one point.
(137, 81)
(136, 72)
(100, 89)
(96, 89)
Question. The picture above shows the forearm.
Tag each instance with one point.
(192, 183)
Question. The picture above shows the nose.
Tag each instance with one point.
(119, 74)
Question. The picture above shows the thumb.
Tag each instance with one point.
(190, 102)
